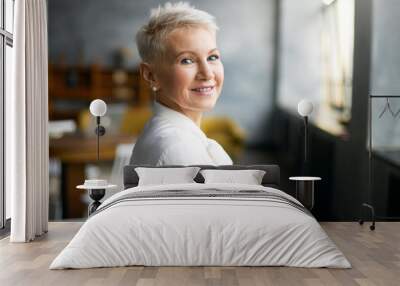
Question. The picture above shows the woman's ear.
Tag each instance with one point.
(146, 71)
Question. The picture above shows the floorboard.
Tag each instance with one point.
(375, 257)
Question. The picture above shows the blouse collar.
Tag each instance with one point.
(178, 119)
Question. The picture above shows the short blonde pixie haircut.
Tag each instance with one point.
(151, 37)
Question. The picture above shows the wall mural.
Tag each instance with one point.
(93, 55)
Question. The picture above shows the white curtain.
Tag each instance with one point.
(26, 124)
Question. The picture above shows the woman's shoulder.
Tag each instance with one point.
(163, 133)
(154, 141)
(164, 129)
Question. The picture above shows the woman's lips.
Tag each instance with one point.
(203, 90)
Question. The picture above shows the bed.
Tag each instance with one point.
(201, 224)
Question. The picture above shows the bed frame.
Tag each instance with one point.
(270, 179)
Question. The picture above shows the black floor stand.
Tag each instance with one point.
(96, 195)
(370, 163)
(369, 205)
(371, 208)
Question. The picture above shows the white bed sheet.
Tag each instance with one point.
(200, 231)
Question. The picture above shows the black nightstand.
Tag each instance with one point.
(97, 190)
(305, 190)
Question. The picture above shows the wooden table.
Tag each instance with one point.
(74, 152)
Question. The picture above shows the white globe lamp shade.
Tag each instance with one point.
(305, 107)
(98, 107)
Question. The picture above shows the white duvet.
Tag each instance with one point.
(200, 231)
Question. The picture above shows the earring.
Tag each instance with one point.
(154, 88)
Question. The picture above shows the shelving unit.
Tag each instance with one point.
(78, 85)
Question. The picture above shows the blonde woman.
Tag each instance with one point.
(182, 64)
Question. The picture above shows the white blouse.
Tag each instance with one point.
(171, 138)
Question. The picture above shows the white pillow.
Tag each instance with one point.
(162, 176)
(248, 177)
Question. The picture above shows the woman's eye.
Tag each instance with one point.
(213, 57)
(186, 61)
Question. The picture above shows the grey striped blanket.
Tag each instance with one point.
(206, 194)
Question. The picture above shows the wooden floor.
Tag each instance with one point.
(375, 257)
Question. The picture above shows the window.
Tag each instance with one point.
(316, 60)
(6, 62)
(337, 41)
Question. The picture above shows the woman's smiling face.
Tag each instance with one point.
(190, 76)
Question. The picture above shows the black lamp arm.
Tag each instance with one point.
(305, 139)
(100, 131)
